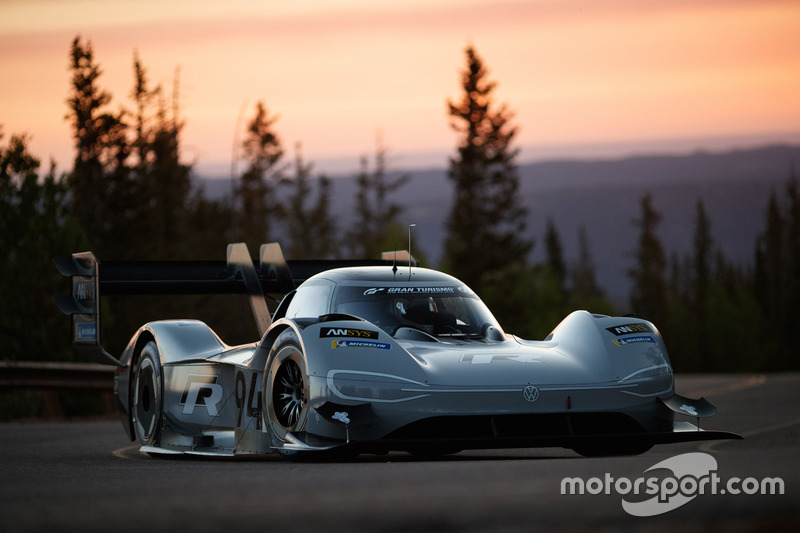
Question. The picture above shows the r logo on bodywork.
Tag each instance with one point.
(489, 358)
(201, 390)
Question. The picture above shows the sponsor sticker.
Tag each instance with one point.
(360, 344)
(84, 290)
(632, 340)
(86, 331)
(343, 417)
(347, 332)
(630, 329)
(410, 290)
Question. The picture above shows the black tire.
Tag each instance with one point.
(147, 396)
(285, 389)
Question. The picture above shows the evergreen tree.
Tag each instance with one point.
(161, 181)
(649, 291)
(34, 227)
(703, 251)
(376, 226)
(770, 258)
(255, 193)
(584, 283)
(99, 173)
(555, 255)
(170, 181)
(143, 98)
(486, 223)
(701, 286)
(776, 278)
(310, 228)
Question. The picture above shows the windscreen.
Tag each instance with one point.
(446, 311)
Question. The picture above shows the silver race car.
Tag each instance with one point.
(370, 359)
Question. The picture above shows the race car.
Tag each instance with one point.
(371, 359)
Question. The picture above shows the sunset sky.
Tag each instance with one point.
(584, 77)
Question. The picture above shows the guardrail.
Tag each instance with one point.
(55, 376)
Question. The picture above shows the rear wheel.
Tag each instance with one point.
(146, 395)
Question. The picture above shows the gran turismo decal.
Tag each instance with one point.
(409, 290)
(360, 344)
(632, 340)
(203, 391)
(630, 329)
(347, 332)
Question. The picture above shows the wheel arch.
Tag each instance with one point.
(268, 340)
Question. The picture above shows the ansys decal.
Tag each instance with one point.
(630, 329)
(347, 332)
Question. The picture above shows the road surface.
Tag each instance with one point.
(86, 477)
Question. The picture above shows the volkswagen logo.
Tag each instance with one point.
(530, 393)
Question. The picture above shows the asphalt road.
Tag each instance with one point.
(86, 477)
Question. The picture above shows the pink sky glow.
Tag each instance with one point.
(577, 73)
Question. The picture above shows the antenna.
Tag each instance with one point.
(409, 249)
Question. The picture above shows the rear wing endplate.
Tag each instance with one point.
(84, 305)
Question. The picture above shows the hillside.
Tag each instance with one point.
(603, 197)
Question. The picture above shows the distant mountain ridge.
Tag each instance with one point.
(603, 196)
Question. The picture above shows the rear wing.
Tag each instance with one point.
(274, 276)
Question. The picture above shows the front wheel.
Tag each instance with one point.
(285, 389)
(146, 395)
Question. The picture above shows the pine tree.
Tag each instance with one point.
(170, 179)
(776, 278)
(649, 292)
(98, 176)
(770, 258)
(486, 223)
(584, 282)
(701, 286)
(34, 227)
(555, 255)
(256, 205)
(308, 222)
(161, 181)
(376, 216)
